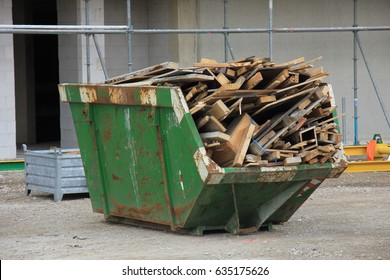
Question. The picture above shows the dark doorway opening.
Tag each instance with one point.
(46, 74)
(36, 74)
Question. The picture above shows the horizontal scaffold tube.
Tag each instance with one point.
(112, 29)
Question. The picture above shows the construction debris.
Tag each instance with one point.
(253, 111)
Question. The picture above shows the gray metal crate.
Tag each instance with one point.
(58, 171)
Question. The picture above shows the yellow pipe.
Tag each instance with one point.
(382, 150)
(355, 150)
(368, 166)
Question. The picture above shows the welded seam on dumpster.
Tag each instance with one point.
(179, 104)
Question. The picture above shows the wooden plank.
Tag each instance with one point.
(282, 101)
(199, 106)
(202, 121)
(219, 110)
(310, 62)
(293, 62)
(214, 125)
(199, 88)
(210, 63)
(222, 80)
(232, 108)
(227, 93)
(267, 137)
(234, 86)
(211, 145)
(281, 77)
(241, 71)
(326, 149)
(273, 156)
(231, 73)
(252, 158)
(312, 161)
(282, 151)
(265, 100)
(215, 136)
(189, 78)
(239, 82)
(144, 73)
(253, 81)
(310, 155)
(226, 153)
(292, 80)
(298, 145)
(243, 146)
(296, 86)
(261, 128)
(315, 71)
(292, 161)
(332, 119)
(304, 103)
(278, 144)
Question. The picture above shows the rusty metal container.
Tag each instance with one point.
(145, 164)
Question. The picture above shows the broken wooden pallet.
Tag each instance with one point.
(253, 111)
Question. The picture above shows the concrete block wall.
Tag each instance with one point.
(70, 65)
(336, 48)
(7, 87)
(72, 57)
(160, 17)
(147, 50)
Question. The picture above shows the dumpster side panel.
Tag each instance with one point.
(180, 143)
(83, 120)
(130, 162)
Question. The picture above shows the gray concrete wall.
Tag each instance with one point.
(336, 48)
(72, 56)
(70, 65)
(7, 87)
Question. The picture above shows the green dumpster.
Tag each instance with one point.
(145, 164)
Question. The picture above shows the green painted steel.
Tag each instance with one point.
(145, 164)
(11, 165)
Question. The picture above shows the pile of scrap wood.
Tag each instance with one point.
(253, 111)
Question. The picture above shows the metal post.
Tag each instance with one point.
(270, 19)
(378, 95)
(87, 47)
(129, 49)
(355, 88)
(124, 29)
(225, 27)
(344, 120)
(100, 56)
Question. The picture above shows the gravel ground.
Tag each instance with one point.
(346, 218)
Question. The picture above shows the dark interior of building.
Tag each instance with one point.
(36, 74)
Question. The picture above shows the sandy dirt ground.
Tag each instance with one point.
(346, 218)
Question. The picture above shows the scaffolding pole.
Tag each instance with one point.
(124, 29)
(129, 31)
(270, 23)
(355, 92)
(87, 47)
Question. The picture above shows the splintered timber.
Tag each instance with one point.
(254, 111)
